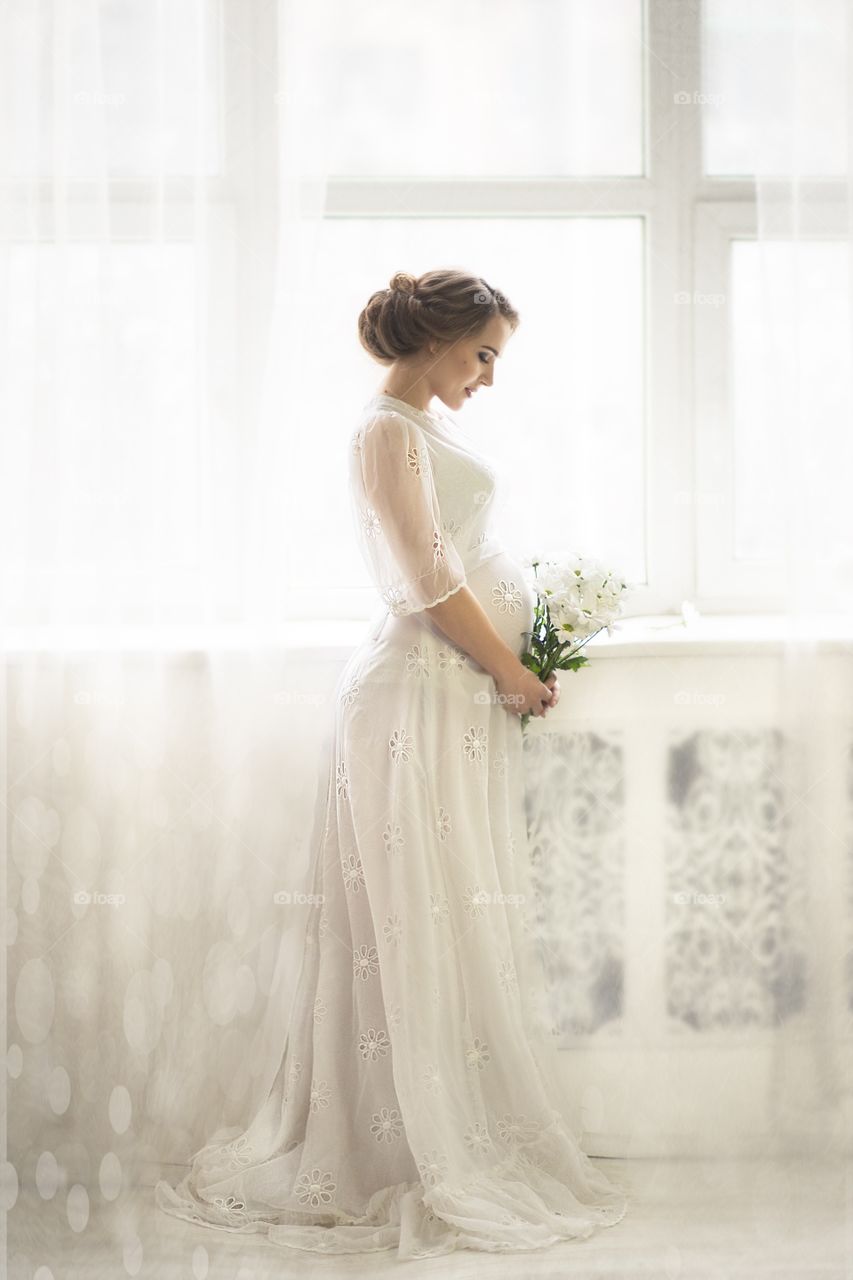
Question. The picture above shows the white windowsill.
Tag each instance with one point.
(648, 636)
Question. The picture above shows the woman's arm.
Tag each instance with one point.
(464, 621)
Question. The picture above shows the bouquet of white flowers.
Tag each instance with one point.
(576, 598)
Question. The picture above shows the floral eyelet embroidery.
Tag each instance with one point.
(237, 1154)
(431, 1078)
(392, 929)
(350, 693)
(401, 746)
(413, 460)
(432, 1167)
(315, 1188)
(477, 1138)
(353, 872)
(517, 1129)
(476, 900)
(387, 1124)
(443, 823)
(439, 908)
(342, 781)
(230, 1206)
(365, 962)
(417, 661)
(451, 660)
(320, 1095)
(373, 1044)
(371, 523)
(477, 1054)
(506, 597)
(474, 743)
(393, 837)
(507, 976)
(395, 599)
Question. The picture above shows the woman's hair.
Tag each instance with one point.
(445, 304)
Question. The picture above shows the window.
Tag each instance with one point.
(594, 159)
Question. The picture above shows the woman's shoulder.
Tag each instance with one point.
(385, 431)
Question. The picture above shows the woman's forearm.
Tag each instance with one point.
(464, 621)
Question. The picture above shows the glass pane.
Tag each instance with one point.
(488, 87)
(138, 95)
(563, 422)
(791, 367)
(775, 84)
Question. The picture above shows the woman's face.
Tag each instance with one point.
(459, 370)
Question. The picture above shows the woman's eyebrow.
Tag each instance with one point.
(488, 348)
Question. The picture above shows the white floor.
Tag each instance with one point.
(688, 1220)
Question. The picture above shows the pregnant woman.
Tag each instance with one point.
(418, 1105)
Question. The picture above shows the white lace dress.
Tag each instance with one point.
(418, 1104)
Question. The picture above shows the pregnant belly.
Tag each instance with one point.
(501, 587)
(499, 584)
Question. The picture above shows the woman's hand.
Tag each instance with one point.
(522, 692)
(554, 685)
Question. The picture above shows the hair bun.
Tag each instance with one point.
(403, 282)
(446, 304)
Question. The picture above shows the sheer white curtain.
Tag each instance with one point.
(803, 280)
(778, 78)
(160, 220)
(159, 223)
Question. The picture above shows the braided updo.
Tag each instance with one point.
(445, 304)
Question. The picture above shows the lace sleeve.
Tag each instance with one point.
(412, 562)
